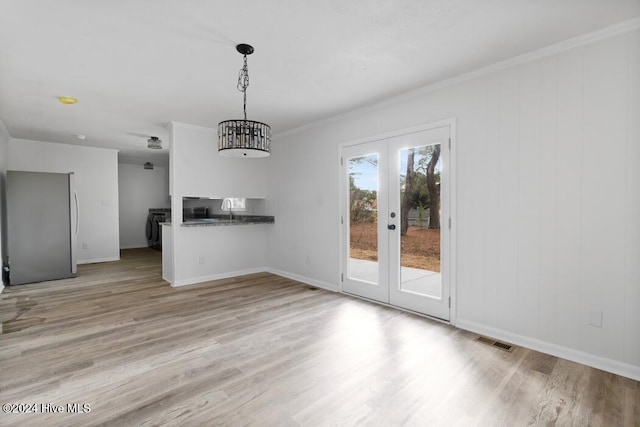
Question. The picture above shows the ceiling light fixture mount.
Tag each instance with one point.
(154, 143)
(242, 137)
(68, 100)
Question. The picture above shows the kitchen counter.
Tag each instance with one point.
(224, 221)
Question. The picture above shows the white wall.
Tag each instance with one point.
(96, 176)
(4, 152)
(548, 198)
(196, 169)
(139, 189)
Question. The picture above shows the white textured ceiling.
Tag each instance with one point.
(136, 65)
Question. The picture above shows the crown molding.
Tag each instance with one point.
(565, 45)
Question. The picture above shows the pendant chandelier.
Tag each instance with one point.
(242, 137)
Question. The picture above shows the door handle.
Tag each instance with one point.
(75, 196)
(391, 226)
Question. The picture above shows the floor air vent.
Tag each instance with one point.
(311, 288)
(494, 343)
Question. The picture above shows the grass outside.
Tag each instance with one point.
(420, 247)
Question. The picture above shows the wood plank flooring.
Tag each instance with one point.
(268, 351)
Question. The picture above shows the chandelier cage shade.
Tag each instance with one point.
(242, 137)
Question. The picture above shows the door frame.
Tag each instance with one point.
(451, 122)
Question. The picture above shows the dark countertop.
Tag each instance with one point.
(223, 220)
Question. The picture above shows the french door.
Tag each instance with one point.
(395, 216)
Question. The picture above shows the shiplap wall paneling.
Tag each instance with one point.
(603, 221)
(508, 165)
(632, 232)
(477, 157)
(548, 197)
(569, 199)
(491, 204)
(532, 165)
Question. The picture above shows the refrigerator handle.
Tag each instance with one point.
(75, 196)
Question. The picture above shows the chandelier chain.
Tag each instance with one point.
(243, 83)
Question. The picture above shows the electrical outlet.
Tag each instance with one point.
(201, 260)
(85, 245)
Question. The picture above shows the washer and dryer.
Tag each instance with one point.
(154, 229)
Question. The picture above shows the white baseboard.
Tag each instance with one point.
(603, 363)
(1, 288)
(209, 278)
(96, 260)
(303, 279)
(226, 275)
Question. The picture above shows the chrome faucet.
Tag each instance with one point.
(228, 202)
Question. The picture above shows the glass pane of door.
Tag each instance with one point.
(363, 218)
(420, 217)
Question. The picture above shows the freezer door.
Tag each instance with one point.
(38, 226)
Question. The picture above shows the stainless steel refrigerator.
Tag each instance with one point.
(42, 226)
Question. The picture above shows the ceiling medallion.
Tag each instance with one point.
(242, 137)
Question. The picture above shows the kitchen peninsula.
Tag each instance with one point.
(217, 248)
(222, 219)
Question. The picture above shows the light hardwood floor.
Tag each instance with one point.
(264, 350)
